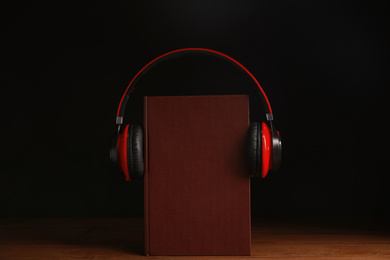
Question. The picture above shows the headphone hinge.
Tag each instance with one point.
(270, 116)
(119, 120)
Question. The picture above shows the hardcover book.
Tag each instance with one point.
(197, 186)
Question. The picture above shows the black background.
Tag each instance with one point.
(324, 66)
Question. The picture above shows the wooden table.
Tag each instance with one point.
(123, 239)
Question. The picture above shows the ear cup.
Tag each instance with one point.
(254, 149)
(266, 149)
(259, 149)
(135, 152)
(122, 153)
(130, 152)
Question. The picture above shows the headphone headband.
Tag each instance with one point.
(179, 52)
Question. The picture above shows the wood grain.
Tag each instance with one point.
(123, 239)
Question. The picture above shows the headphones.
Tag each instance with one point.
(264, 148)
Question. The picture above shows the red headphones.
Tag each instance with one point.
(264, 142)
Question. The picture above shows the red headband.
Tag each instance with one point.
(130, 87)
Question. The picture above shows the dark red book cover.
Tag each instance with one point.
(197, 186)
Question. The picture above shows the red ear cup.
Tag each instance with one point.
(259, 149)
(130, 152)
(266, 149)
(122, 153)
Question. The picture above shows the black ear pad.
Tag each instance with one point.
(135, 152)
(254, 149)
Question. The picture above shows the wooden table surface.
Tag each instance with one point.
(113, 238)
